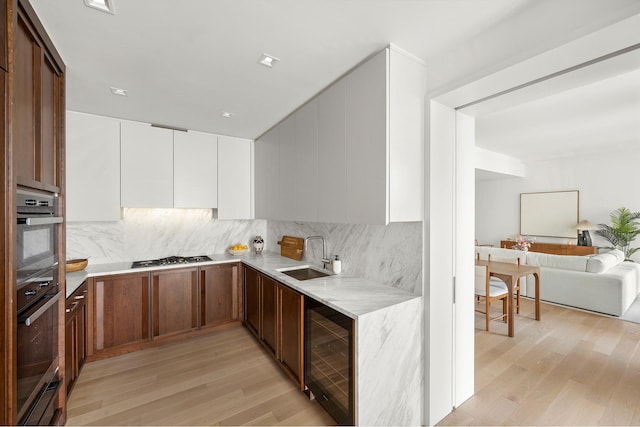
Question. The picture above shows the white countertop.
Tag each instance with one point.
(352, 296)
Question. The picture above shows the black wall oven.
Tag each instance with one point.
(37, 302)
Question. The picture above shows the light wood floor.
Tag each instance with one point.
(571, 368)
(225, 378)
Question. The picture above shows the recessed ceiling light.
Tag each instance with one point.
(102, 5)
(267, 60)
(226, 115)
(118, 91)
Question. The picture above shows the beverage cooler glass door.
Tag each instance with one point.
(329, 359)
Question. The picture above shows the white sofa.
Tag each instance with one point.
(604, 283)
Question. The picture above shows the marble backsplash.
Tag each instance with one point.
(391, 255)
(155, 233)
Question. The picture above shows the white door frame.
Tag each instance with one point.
(448, 234)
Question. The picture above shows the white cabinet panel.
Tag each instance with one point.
(407, 86)
(267, 174)
(288, 177)
(306, 164)
(234, 178)
(195, 175)
(93, 168)
(332, 154)
(367, 172)
(146, 166)
(354, 153)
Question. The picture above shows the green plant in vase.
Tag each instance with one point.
(622, 232)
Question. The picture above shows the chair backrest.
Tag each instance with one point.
(515, 260)
(482, 278)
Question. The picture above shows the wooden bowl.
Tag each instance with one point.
(76, 264)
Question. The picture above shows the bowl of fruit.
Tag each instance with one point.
(238, 249)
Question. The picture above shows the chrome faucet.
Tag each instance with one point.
(325, 260)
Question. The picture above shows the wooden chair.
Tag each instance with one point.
(495, 280)
(490, 291)
(516, 286)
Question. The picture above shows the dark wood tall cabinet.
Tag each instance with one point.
(32, 86)
(38, 106)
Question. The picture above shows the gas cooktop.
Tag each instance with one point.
(172, 260)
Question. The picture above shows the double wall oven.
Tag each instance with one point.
(37, 301)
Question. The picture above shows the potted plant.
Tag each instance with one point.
(623, 230)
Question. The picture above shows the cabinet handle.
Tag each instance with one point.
(73, 307)
(79, 297)
(44, 284)
(29, 293)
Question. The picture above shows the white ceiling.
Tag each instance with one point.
(186, 62)
(584, 112)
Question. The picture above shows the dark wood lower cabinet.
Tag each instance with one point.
(220, 296)
(75, 336)
(137, 310)
(121, 310)
(269, 313)
(175, 301)
(291, 332)
(252, 299)
(275, 313)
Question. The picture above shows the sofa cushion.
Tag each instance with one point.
(564, 262)
(603, 262)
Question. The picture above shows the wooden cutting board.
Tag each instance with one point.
(291, 247)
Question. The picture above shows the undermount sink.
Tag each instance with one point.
(304, 273)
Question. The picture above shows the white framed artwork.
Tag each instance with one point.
(549, 214)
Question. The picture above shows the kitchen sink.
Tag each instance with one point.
(304, 273)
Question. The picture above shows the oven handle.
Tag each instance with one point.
(42, 309)
(40, 220)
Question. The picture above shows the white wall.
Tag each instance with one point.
(606, 181)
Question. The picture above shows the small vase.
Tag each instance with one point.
(258, 244)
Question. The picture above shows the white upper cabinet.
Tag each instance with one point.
(267, 174)
(407, 89)
(287, 176)
(332, 153)
(354, 153)
(234, 178)
(93, 168)
(367, 137)
(146, 166)
(195, 174)
(305, 165)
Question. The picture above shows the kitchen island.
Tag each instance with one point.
(388, 356)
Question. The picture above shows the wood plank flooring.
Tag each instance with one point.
(225, 378)
(571, 368)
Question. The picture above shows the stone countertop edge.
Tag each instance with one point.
(350, 295)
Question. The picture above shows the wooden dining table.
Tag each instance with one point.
(510, 273)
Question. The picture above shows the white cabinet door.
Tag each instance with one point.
(92, 168)
(267, 174)
(407, 88)
(195, 170)
(367, 142)
(332, 154)
(146, 155)
(306, 163)
(288, 177)
(234, 178)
